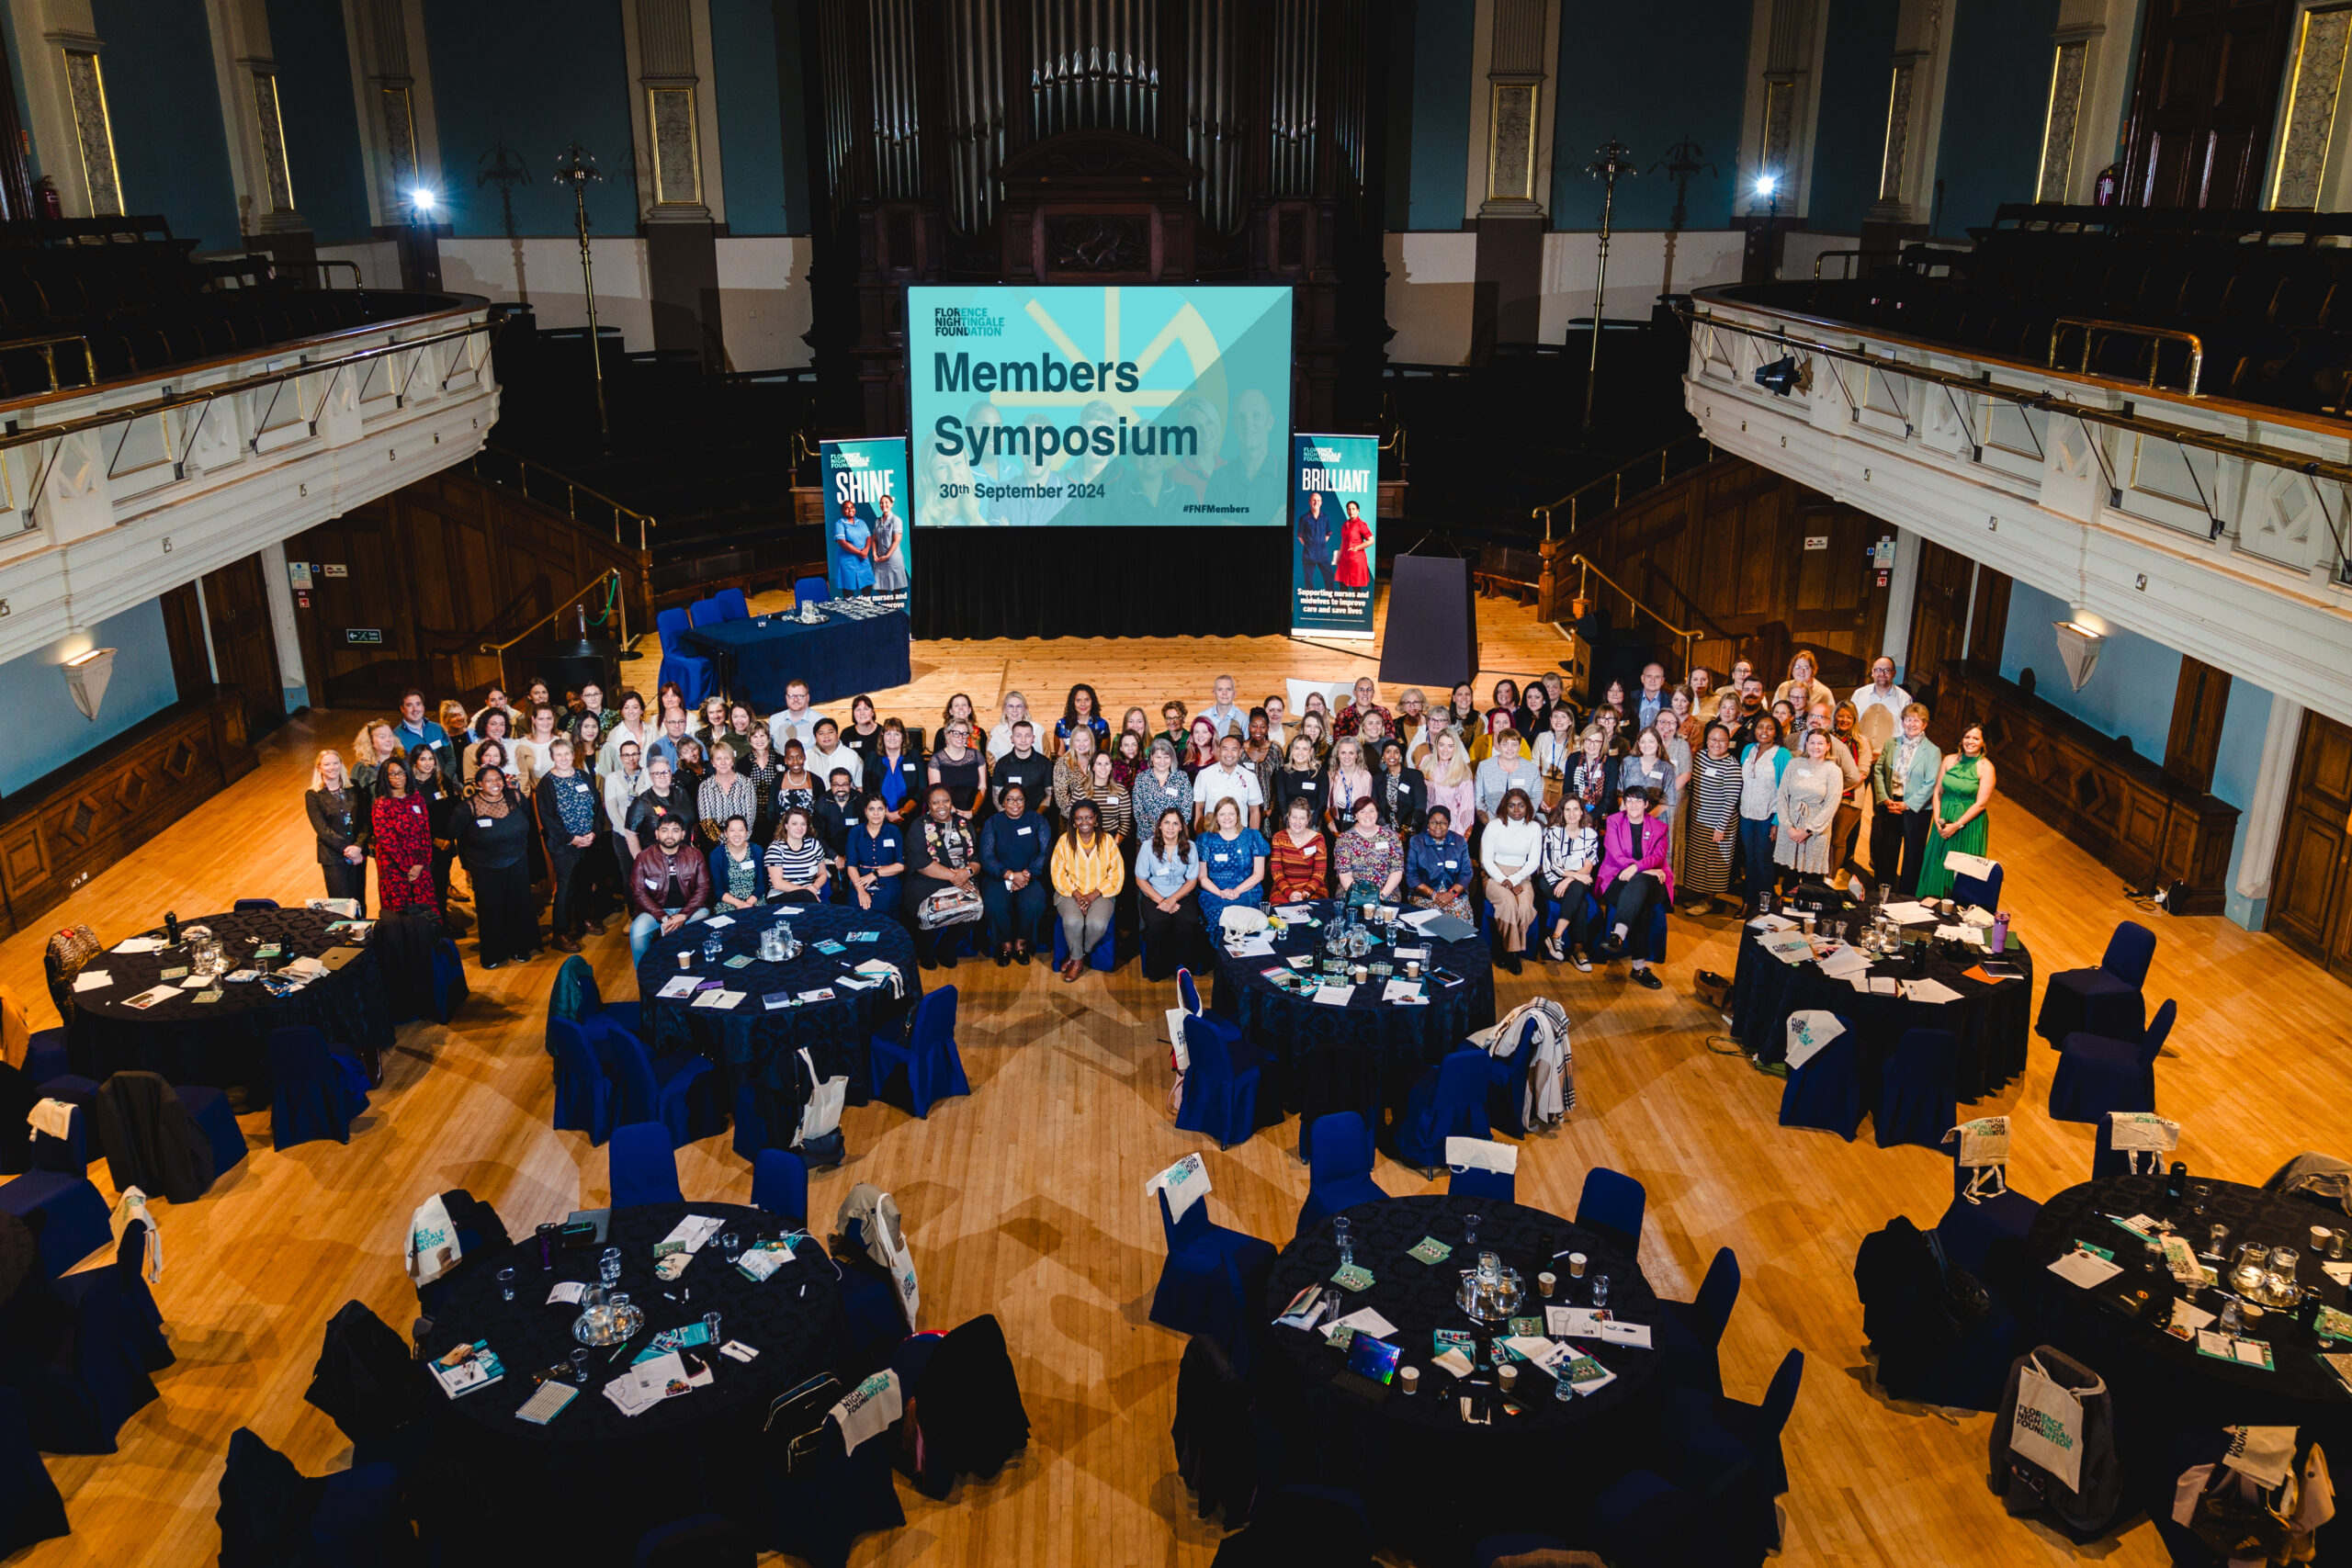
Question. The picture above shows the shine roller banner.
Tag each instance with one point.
(1334, 515)
(1099, 406)
(867, 549)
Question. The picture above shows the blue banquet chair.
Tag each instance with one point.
(242, 905)
(1969, 1232)
(584, 1094)
(1691, 1335)
(1449, 1102)
(1613, 1203)
(315, 1089)
(30, 1509)
(575, 996)
(78, 1395)
(138, 1318)
(1506, 1083)
(645, 1165)
(1339, 1168)
(56, 1200)
(1104, 955)
(698, 1540)
(2097, 1076)
(1917, 1103)
(780, 1185)
(1983, 892)
(927, 1064)
(1827, 1092)
(2108, 1001)
(732, 605)
(680, 1092)
(693, 674)
(1480, 1181)
(1696, 1422)
(270, 1512)
(704, 613)
(811, 591)
(823, 1499)
(1220, 1092)
(1212, 1282)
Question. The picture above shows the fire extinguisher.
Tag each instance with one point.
(45, 198)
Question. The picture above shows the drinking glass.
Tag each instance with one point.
(506, 1284)
(2216, 1240)
(1346, 1246)
(710, 1327)
(1885, 893)
(608, 1267)
(1469, 1231)
(580, 1366)
(2199, 1191)
(731, 1243)
(2336, 1247)
(1600, 1290)
(2232, 1319)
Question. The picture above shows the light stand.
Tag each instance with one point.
(575, 166)
(1767, 186)
(1608, 165)
(1684, 160)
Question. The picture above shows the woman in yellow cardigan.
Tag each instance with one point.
(1088, 873)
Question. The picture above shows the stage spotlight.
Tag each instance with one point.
(1781, 377)
(424, 201)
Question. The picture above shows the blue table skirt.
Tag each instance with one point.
(839, 658)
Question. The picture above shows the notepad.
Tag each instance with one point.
(1251, 947)
(1575, 1323)
(2085, 1269)
(547, 1403)
(717, 921)
(1365, 1320)
(679, 986)
(722, 1000)
(1634, 1334)
(1925, 990)
(91, 979)
(1334, 996)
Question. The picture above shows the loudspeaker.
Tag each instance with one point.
(1432, 638)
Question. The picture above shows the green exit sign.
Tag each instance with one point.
(363, 636)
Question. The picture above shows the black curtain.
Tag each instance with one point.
(1080, 582)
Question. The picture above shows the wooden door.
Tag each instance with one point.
(244, 645)
(2206, 92)
(2309, 905)
(1938, 618)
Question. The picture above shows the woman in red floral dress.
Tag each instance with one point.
(404, 846)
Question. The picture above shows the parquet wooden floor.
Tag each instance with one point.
(1026, 1199)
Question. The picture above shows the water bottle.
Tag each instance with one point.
(1560, 1389)
(2176, 1182)
(710, 948)
(2000, 932)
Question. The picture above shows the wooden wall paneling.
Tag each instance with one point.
(2308, 907)
(1938, 618)
(184, 635)
(2199, 706)
(1988, 620)
(2205, 96)
(243, 644)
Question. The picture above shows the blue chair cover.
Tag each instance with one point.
(810, 590)
(30, 1509)
(2107, 1000)
(680, 1092)
(821, 1508)
(692, 673)
(931, 1069)
(877, 1323)
(732, 605)
(2097, 1076)
(584, 1095)
(56, 1200)
(138, 1318)
(1212, 1280)
(704, 613)
(2107, 1160)
(1103, 956)
(1689, 1338)
(780, 1184)
(1613, 1203)
(78, 1401)
(1340, 1162)
(244, 904)
(1983, 892)
(1507, 1084)
(316, 1089)
(645, 1165)
(1188, 991)
(752, 1132)
(698, 1540)
(1477, 1181)
(449, 987)
(598, 1019)
(1916, 1102)
(1757, 1427)
(1826, 1093)
(219, 1122)
(1970, 1232)
(1449, 1102)
(1220, 1097)
(46, 1057)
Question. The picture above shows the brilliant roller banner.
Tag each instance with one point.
(1098, 405)
(867, 549)
(1334, 517)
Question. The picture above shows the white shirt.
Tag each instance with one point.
(608, 756)
(782, 726)
(1517, 844)
(822, 764)
(1867, 701)
(620, 791)
(1238, 785)
(1000, 737)
(1228, 721)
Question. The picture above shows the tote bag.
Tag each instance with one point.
(2048, 1426)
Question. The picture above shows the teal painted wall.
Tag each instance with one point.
(2235, 768)
(753, 118)
(321, 118)
(505, 71)
(2132, 691)
(170, 146)
(49, 730)
(1440, 162)
(1996, 99)
(1649, 76)
(1850, 139)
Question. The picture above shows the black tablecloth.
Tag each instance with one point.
(756, 1046)
(839, 657)
(2148, 1367)
(1992, 1022)
(585, 1485)
(1424, 1475)
(223, 1043)
(1284, 1026)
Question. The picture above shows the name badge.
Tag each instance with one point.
(654, 881)
(1021, 832)
(481, 821)
(1449, 865)
(581, 787)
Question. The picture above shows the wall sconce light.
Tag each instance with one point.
(2079, 646)
(86, 674)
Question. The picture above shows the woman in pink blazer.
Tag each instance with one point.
(1632, 883)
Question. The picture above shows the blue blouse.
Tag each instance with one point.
(868, 851)
(855, 571)
(1225, 863)
(1436, 865)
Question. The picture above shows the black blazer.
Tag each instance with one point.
(1403, 805)
(1315, 788)
(336, 830)
(551, 814)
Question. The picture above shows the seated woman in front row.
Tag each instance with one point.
(797, 864)
(1301, 861)
(1636, 877)
(1436, 866)
(735, 869)
(1571, 861)
(1168, 872)
(1233, 865)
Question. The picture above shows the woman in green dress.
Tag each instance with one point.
(1963, 792)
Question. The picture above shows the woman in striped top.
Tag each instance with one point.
(1713, 837)
(725, 794)
(1111, 805)
(796, 861)
(1301, 860)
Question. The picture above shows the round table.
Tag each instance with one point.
(1423, 1471)
(1992, 1022)
(1285, 1025)
(754, 1046)
(2167, 1379)
(224, 1044)
(583, 1486)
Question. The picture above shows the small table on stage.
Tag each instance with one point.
(755, 1045)
(839, 657)
(224, 1044)
(1285, 1025)
(583, 1488)
(1421, 1469)
(1991, 1021)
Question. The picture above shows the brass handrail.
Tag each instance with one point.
(1687, 638)
(1856, 254)
(1615, 479)
(572, 490)
(47, 344)
(2092, 328)
(619, 604)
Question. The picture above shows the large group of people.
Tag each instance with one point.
(1571, 828)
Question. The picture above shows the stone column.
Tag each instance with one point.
(676, 151)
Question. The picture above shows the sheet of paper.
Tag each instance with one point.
(1885, 985)
(1544, 1355)
(695, 1230)
(680, 985)
(196, 982)
(91, 979)
(717, 921)
(1256, 946)
(2214, 1343)
(1405, 993)
(2085, 1269)
(567, 1292)
(1453, 1362)
(1908, 913)
(1334, 996)
(1969, 934)
(2339, 1272)
(2188, 1315)
(1365, 1320)
(135, 946)
(1962, 864)
(722, 1000)
(1636, 1334)
(1863, 983)
(1927, 991)
(1419, 918)
(1844, 962)
(1294, 911)
(821, 994)
(2252, 1354)
(1575, 1323)
(1770, 923)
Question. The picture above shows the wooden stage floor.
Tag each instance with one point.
(1026, 1199)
